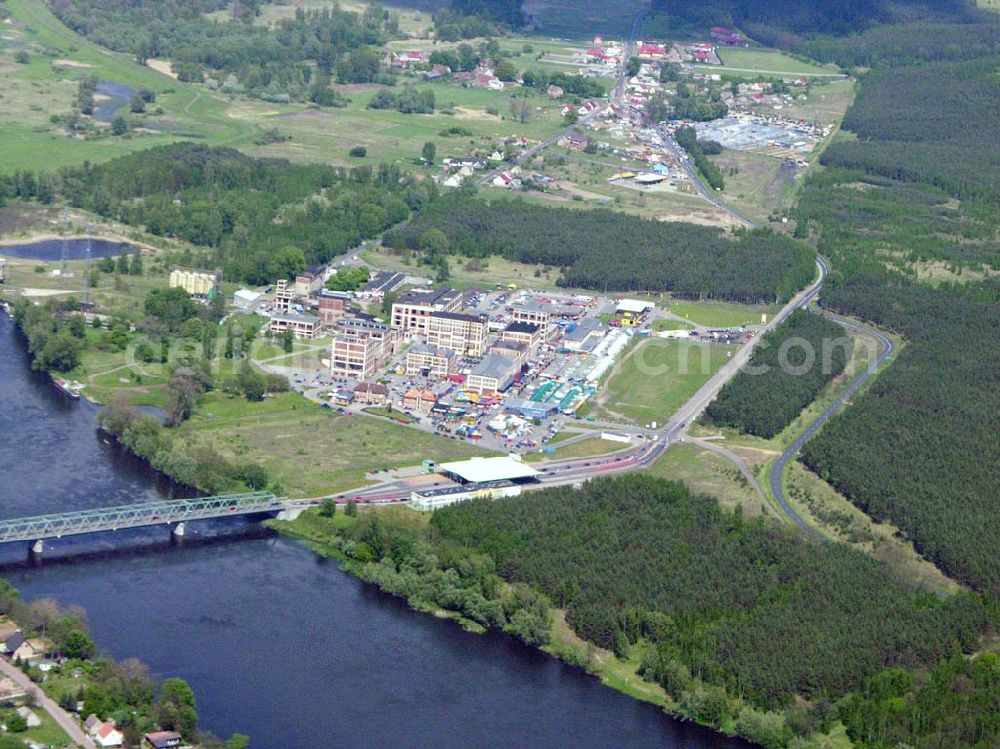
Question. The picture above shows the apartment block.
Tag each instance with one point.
(411, 311)
(458, 332)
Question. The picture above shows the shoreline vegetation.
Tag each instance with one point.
(453, 565)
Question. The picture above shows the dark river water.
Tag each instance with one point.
(276, 642)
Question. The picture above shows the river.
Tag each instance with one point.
(277, 642)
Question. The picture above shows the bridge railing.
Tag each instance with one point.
(135, 516)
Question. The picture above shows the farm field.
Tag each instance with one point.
(654, 379)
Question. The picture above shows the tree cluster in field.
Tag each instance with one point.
(606, 249)
(574, 85)
(55, 344)
(927, 124)
(348, 279)
(687, 138)
(199, 466)
(262, 219)
(408, 100)
(784, 375)
(293, 59)
(718, 604)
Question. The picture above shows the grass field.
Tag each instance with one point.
(654, 379)
(756, 184)
(721, 314)
(706, 472)
(586, 448)
(770, 61)
(497, 270)
(308, 450)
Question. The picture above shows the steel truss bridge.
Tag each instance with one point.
(171, 512)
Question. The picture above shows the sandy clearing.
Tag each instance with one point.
(161, 66)
(461, 113)
(64, 63)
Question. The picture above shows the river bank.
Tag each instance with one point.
(561, 642)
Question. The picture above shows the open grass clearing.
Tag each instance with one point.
(756, 184)
(654, 379)
(494, 271)
(585, 448)
(715, 314)
(771, 61)
(309, 450)
(706, 472)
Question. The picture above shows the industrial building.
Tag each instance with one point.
(411, 311)
(332, 305)
(491, 375)
(425, 361)
(428, 501)
(302, 326)
(455, 331)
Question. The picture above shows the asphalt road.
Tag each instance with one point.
(62, 718)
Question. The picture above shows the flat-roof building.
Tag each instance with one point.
(432, 499)
(527, 333)
(361, 352)
(425, 361)
(516, 350)
(479, 470)
(458, 332)
(492, 374)
(533, 312)
(302, 326)
(411, 310)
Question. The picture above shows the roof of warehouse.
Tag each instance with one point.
(633, 305)
(489, 469)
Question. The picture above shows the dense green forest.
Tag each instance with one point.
(785, 374)
(914, 199)
(746, 604)
(811, 17)
(293, 60)
(956, 704)
(606, 249)
(949, 143)
(259, 219)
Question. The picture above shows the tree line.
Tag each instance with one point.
(688, 260)
(293, 59)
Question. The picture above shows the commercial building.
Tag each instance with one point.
(480, 470)
(425, 361)
(522, 332)
(308, 282)
(533, 312)
(411, 311)
(360, 350)
(332, 305)
(585, 336)
(195, 283)
(427, 501)
(458, 332)
(302, 326)
(371, 393)
(420, 400)
(515, 350)
(492, 374)
(246, 300)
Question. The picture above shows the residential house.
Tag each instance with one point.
(371, 393)
(574, 141)
(104, 733)
(162, 740)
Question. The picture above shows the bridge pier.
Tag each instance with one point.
(290, 513)
(35, 552)
(177, 534)
(178, 530)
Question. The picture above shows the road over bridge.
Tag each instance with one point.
(175, 513)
